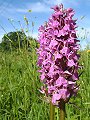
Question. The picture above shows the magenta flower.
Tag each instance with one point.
(57, 55)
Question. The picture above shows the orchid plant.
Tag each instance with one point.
(58, 57)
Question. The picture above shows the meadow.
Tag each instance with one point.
(20, 98)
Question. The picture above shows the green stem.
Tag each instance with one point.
(62, 110)
(52, 111)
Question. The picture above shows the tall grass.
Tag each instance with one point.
(19, 84)
(19, 89)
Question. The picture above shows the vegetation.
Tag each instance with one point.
(20, 98)
(14, 40)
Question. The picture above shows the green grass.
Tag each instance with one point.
(19, 89)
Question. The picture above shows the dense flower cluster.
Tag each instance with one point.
(57, 55)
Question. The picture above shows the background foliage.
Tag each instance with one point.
(15, 40)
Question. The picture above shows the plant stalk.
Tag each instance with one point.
(52, 111)
(62, 110)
